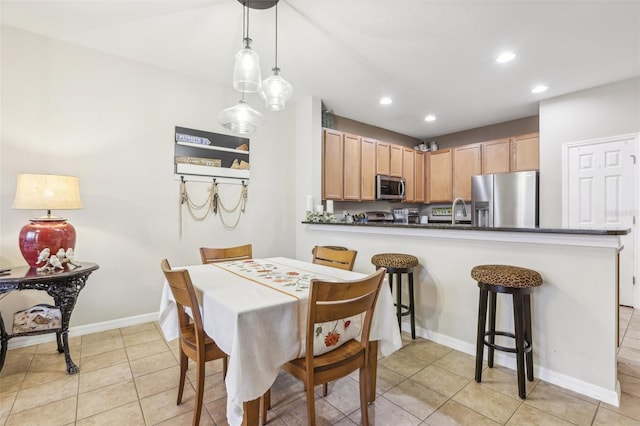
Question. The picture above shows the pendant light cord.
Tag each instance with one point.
(276, 35)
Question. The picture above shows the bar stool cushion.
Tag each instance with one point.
(506, 276)
(394, 260)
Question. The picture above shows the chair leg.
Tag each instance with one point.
(519, 326)
(311, 406)
(199, 392)
(265, 404)
(482, 322)
(528, 336)
(183, 372)
(411, 307)
(399, 299)
(492, 327)
(325, 389)
(364, 381)
(225, 364)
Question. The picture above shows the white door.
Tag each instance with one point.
(599, 193)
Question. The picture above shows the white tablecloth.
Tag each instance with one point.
(258, 326)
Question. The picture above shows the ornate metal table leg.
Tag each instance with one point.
(59, 341)
(5, 341)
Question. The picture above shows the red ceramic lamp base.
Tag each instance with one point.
(52, 234)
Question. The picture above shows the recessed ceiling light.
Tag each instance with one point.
(505, 57)
(539, 88)
(385, 100)
(430, 117)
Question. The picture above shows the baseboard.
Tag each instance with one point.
(80, 330)
(571, 383)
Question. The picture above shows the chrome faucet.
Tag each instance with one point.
(453, 210)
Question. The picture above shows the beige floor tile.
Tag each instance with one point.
(101, 336)
(52, 346)
(152, 363)
(385, 412)
(104, 377)
(162, 406)
(54, 361)
(15, 364)
(527, 415)
(505, 380)
(6, 402)
(345, 421)
(416, 398)
(218, 412)
(128, 414)
(186, 419)
(630, 342)
(461, 364)
(631, 354)
(344, 394)
(46, 393)
(146, 349)
(629, 406)
(295, 413)
(634, 334)
(452, 413)
(61, 412)
(488, 402)
(403, 364)
(440, 380)
(214, 387)
(385, 380)
(211, 367)
(106, 359)
(286, 389)
(158, 381)
(427, 351)
(630, 368)
(106, 398)
(34, 378)
(141, 338)
(629, 384)
(11, 383)
(147, 326)
(606, 417)
(102, 346)
(569, 392)
(561, 404)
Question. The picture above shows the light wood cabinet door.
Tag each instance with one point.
(418, 189)
(439, 175)
(496, 156)
(467, 162)
(525, 152)
(368, 169)
(408, 173)
(383, 158)
(352, 167)
(332, 165)
(395, 163)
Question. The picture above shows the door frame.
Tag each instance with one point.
(636, 191)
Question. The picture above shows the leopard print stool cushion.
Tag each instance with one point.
(506, 276)
(394, 260)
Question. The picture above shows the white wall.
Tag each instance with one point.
(110, 121)
(609, 110)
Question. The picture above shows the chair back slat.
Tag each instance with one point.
(213, 255)
(336, 257)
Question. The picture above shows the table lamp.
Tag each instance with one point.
(46, 192)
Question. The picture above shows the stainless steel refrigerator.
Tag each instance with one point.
(505, 200)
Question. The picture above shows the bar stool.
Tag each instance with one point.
(398, 263)
(519, 282)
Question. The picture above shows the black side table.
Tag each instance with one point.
(63, 285)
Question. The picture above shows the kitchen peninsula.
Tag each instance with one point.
(574, 313)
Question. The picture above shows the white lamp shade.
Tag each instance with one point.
(47, 192)
(241, 118)
(275, 91)
(246, 70)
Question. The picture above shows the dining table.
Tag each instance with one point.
(256, 310)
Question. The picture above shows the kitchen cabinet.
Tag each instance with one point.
(525, 152)
(395, 160)
(352, 167)
(383, 158)
(408, 173)
(466, 163)
(439, 175)
(496, 156)
(332, 165)
(419, 177)
(368, 170)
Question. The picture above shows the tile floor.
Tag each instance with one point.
(129, 376)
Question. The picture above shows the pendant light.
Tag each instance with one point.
(276, 90)
(246, 70)
(241, 118)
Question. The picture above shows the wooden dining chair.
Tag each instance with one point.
(336, 257)
(333, 301)
(194, 342)
(213, 255)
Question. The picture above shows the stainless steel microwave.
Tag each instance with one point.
(389, 188)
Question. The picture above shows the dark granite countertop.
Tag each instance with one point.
(467, 227)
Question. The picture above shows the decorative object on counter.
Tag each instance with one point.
(211, 204)
(56, 261)
(319, 208)
(46, 192)
(519, 282)
(320, 217)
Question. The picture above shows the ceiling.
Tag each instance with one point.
(430, 57)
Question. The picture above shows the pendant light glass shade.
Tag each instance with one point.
(241, 118)
(275, 91)
(246, 70)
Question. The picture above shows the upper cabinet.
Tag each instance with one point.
(352, 167)
(419, 188)
(332, 164)
(466, 163)
(408, 173)
(395, 163)
(496, 156)
(439, 175)
(368, 170)
(383, 158)
(525, 152)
